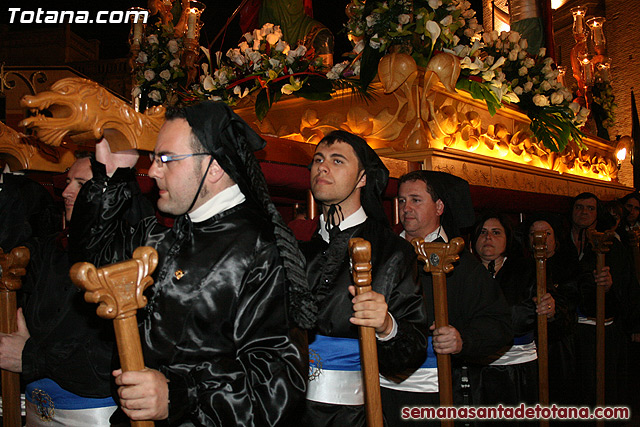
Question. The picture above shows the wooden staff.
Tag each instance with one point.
(540, 254)
(12, 267)
(438, 260)
(600, 243)
(119, 290)
(360, 253)
(634, 239)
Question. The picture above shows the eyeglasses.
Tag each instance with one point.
(163, 159)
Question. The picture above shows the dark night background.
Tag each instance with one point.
(113, 37)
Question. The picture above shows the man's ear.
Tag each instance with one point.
(215, 173)
(363, 180)
(439, 207)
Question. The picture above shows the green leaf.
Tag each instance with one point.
(262, 104)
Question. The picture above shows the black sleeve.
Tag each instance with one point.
(110, 218)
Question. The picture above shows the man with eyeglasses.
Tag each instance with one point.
(621, 302)
(217, 330)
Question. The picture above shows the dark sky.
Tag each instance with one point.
(113, 37)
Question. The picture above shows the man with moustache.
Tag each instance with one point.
(229, 286)
(348, 179)
(62, 350)
(434, 206)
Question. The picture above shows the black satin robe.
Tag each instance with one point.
(69, 343)
(394, 275)
(219, 332)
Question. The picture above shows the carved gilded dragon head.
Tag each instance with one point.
(84, 111)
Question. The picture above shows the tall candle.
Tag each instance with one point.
(137, 31)
(191, 24)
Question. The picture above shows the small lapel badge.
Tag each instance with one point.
(179, 274)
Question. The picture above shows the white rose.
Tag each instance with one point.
(404, 18)
(575, 107)
(155, 95)
(446, 21)
(467, 14)
(248, 37)
(434, 4)
(221, 77)
(267, 29)
(518, 90)
(469, 32)
(165, 74)
(529, 62)
(523, 71)
(374, 44)
(282, 46)
(243, 46)
(215, 98)
(274, 63)
(528, 86)
(545, 86)
(498, 44)
(514, 37)
(272, 38)
(174, 63)
(135, 92)
(513, 55)
(557, 98)
(522, 54)
(152, 39)
(149, 74)
(173, 46)
(142, 58)
(540, 100)
(371, 20)
(542, 51)
(524, 44)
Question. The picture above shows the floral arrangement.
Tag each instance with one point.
(265, 64)
(418, 27)
(158, 73)
(495, 68)
(505, 72)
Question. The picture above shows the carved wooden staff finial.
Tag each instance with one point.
(360, 253)
(119, 290)
(540, 255)
(600, 243)
(12, 268)
(438, 260)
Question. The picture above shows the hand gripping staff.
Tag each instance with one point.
(12, 267)
(600, 243)
(540, 255)
(360, 254)
(439, 258)
(119, 290)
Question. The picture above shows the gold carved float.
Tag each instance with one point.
(415, 116)
(23, 152)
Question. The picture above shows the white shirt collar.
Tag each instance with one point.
(356, 218)
(226, 199)
(438, 232)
